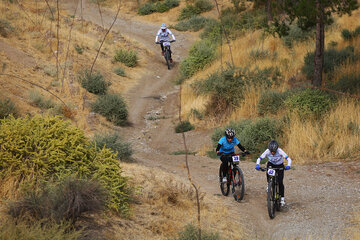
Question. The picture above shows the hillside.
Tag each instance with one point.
(326, 158)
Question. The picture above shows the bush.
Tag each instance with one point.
(198, 7)
(147, 9)
(5, 28)
(41, 230)
(38, 100)
(78, 49)
(191, 233)
(113, 141)
(36, 150)
(113, 107)
(270, 102)
(120, 72)
(195, 23)
(94, 83)
(161, 6)
(184, 126)
(346, 34)
(309, 103)
(332, 58)
(253, 135)
(348, 83)
(203, 5)
(296, 34)
(7, 108)
(129, 58)
(200, 54)
(357, 31)
(66, 200)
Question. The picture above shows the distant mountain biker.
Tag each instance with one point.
(225, 148)
(164, 33)
(276, 158)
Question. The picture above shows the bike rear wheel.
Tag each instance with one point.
(225, 187)
(238, 184)
(271, 200)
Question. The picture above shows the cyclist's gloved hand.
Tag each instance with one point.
(247, 152)
(287, 167)
(257, 167)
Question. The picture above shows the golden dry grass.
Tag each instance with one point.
(337, 136)
(355, 229)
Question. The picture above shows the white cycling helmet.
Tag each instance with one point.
(163, 26)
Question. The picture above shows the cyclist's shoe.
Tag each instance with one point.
(282, 201)
(224, 180)
(162, 53)
(171, 61)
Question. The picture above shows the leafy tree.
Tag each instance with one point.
(313, 13)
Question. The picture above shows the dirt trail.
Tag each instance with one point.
(320, 199)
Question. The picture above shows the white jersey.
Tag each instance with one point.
(164, 35)
(276, 159)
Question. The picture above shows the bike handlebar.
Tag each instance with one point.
(265, 169)
(162, 41)
(236, 154)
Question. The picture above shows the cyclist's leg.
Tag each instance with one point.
(281, 181)
(224, 164)
(162, 47)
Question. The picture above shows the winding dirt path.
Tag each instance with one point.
(320, 198)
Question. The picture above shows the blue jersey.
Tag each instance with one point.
(228, 147)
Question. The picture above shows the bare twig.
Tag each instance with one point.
(188, 171)
(117, 13)
(225, 33)
(34, 84)
(68, 46)
(24, 10)
(102, 22)
(58, 41)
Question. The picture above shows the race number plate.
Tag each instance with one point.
(235, 159)
(271, 172)
(166, 44)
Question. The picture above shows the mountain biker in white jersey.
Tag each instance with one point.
(164, 33)
(276, 158)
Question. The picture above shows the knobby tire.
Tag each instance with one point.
(238, 184)
(167, 58)
(271, 199)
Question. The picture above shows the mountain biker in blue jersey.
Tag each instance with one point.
(164, 33)
(276, 158)
(225, 149)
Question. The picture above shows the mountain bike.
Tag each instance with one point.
(167, 51)
(273, 193)
(235, 178)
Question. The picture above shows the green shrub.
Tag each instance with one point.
(332, 58)
(184, 126)
(191, 233)
(5, 28)
(196, 114)
(160, 7)
(200, 54)
(271, 102)
(203, 5)
(357, 31)
(348, 83)
(113, 107)
(40, 230)
(147, 9)
(78, 49)
(93, 83)
(127, 57)
(120, 72)
(7, 108)
(188, 12)
(309, 103)
(38, 100)
(253, 135)
(259, 54)
(195, 23)
(37, 150)
(66, 200)
(346, 34)
(114, 142)
(296, 34)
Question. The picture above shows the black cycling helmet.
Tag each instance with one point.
(273, 146)
(230, 133)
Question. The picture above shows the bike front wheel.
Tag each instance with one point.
(167, 58)
(224, 187)
(271, 200)
(238, 184)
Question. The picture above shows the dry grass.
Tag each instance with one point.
(337, 136)
(169, 203)
(35, 37)
(355, 229)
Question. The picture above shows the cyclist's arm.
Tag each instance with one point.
(157, 36)
(282, 153)
(241, 147)
(172, 35)
(218, 147)
(262, 156)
